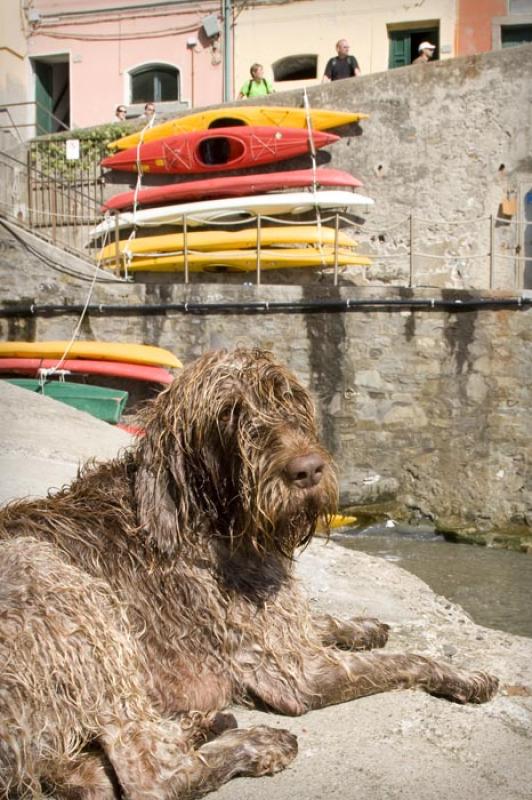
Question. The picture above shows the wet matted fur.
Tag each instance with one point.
(157, 589)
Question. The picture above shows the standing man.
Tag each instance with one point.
(426, 51)
(343, 65)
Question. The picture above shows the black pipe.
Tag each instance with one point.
(267, 307)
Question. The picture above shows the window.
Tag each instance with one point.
(157, 83)
(519, 6)
(514, 35)
(296, 68)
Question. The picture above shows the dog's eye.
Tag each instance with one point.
(228, 417)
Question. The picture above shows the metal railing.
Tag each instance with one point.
(63, 207)
(486, 268)
(5, 108)
(61, 211)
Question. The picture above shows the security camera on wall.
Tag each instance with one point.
(192, 41)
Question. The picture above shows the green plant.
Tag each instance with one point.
(48, 153)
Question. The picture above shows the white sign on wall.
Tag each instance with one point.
(72, 149)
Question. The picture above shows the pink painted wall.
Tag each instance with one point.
(103, 46)
(473, 26)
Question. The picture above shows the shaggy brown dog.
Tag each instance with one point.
(157, 589)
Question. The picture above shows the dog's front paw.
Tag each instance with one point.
(275, 748)
(480, 687)
(369, 633)
(467, 687)
(378, 633)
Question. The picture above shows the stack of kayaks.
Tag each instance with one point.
(45, 369)
(226, 139)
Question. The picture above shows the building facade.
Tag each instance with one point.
(294, 40)
(65, 65)
(72, 64)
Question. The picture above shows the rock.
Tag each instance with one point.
(368, 488)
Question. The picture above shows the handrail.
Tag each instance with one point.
(4, 107)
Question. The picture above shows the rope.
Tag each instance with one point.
(314, 166)
(77, 329)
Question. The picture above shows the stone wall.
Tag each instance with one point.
(447, 142)
(426, 411)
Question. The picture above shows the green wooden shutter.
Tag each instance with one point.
(399, 53)
(44, 82)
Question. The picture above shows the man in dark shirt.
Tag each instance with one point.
(343, 65)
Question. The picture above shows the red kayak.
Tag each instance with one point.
(112, 369)
(217, 149)
(234, 186)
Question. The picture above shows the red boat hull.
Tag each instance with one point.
(111, 369)
(234, 186)
(217, 149)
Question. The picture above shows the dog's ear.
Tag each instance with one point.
(160, 490)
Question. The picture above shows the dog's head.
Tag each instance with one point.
(231, 447)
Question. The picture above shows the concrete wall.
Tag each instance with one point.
(449, 142)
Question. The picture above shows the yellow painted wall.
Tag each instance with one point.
(268, 32)
(15, 73)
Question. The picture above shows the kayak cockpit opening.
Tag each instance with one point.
(227, 122)
(219, 150)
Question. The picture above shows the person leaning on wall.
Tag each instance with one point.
(342, 65)
(258, 85)
(426, 52)
(149, 112)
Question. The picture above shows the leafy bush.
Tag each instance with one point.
(48, 153)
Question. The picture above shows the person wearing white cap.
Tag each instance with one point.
(426, 51)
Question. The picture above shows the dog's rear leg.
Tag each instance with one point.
(336, 677)
(346, 676)
(151, 764)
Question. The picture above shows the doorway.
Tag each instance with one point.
(52, 94)
(404, 43)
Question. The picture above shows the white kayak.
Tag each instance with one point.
(233, 209)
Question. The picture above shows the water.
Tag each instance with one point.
(493, 586)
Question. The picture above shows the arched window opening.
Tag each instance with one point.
(296, 68)
(155, 83)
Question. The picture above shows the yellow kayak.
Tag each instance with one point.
(104, 351)
(246, 260)
(228, 240)
(287, 117)
(337, 521)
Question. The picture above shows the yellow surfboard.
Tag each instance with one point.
(227, 240)
(288, 117)
(104, 351)
(246, 260)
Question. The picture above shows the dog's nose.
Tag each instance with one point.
(305, 471)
